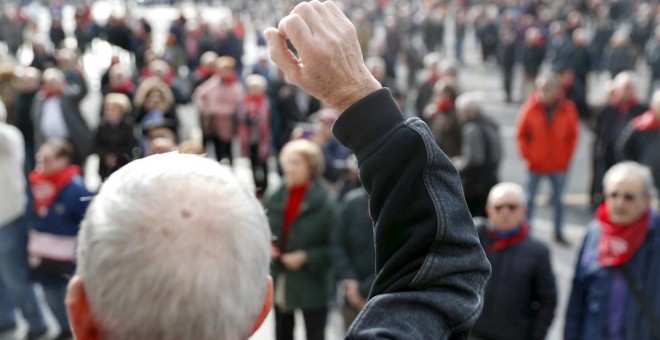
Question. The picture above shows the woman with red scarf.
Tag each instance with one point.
(57, 205)
(619, 264)
(301, 214)
(254, 129)
(219, 99)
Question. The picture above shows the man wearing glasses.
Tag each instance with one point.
(522, 282)
(615, 288)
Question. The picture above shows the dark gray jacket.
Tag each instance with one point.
(431, 270)
(80, 135)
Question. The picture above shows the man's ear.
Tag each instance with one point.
(268, 304)
(83, 325)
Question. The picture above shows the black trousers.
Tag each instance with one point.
(314, 324)
(259, 169)
(222, 150)
(508, 82)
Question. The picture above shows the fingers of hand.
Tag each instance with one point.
(280, 54)
(314, 20)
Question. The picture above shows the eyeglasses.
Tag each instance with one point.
(626, 196)
(508, 206)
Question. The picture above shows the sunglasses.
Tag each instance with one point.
(508, 206)
(626, 196)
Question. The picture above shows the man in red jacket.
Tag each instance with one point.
(547, 133)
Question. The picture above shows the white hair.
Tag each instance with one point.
(173, 247)
(507, 187)
(468, 100)
(632, 169)
(52, 73)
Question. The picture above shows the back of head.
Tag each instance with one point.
(174, 248)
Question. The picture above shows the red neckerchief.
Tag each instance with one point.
(254, 103)
(204, 72)
(445, 105)
(433, 78)
(618, 243)
(46, 188)
(50, 93)
(646, 122)
(125, 87)
(296, 196)
(623, 106)
(500, 243)
(229, 80)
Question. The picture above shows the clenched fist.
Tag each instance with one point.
(329, 65)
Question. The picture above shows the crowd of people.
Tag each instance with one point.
(320, 215)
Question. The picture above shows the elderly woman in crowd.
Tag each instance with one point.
(219, 99)
(154, 96)
(301, 215)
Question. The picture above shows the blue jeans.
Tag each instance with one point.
(55, 294)
(557, 179)
(14, 274)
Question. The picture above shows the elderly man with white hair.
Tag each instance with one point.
(16, 290)
(522, 280)
(56, 114)
(615, 288)
(173, 247)
(480, 154)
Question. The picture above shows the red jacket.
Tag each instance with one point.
(547, 145)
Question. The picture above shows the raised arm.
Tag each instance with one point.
(430, 268)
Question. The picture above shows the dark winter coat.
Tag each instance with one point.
(521, 294)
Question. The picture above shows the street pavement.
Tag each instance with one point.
(474, 76)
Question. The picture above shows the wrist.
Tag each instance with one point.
(352, 94)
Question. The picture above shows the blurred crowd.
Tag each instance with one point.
(322, 232)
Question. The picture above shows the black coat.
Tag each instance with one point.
(609, 124)
(521, 296)
(532, 59)
(23, 116)
(642, 146)
(118, 140)
(353, 241)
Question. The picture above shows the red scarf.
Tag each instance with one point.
(50, 93)
(501, 243)
(445, 105)
(125, 87)
(618, 243)
(296, 196)
(623, 106)
(46, 188)
(646, 122)
(204, 72)
(229, 80)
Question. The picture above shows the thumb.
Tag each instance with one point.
(280, 53)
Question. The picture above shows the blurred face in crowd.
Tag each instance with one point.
(55, 84)
(113, 112)
(627, 89)
(155, 100)
(506, 210)
(296, 170)
(626, 199)
(48, 161)
(548, 93)
(161, 140)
